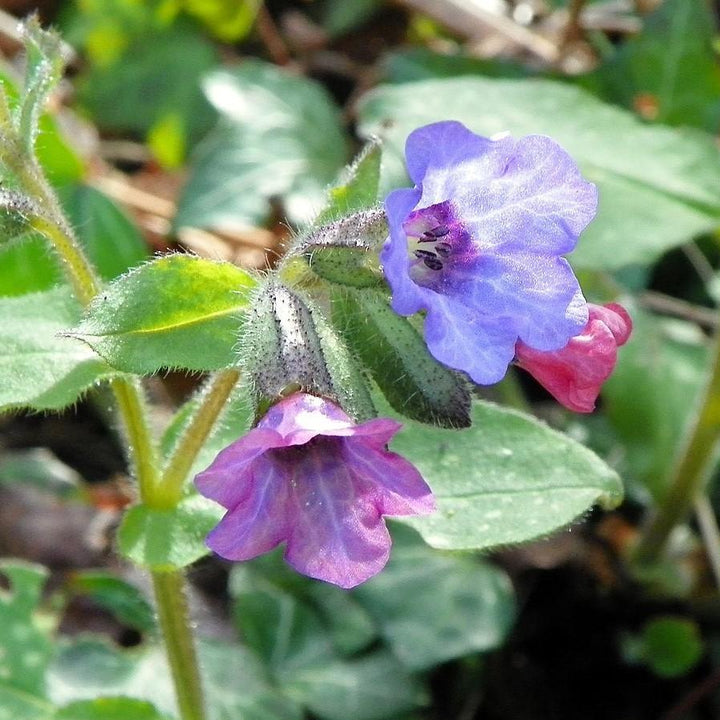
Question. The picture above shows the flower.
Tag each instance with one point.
(574, 374)
(477, 244)
(309, 476)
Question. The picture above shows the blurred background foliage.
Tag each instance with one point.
(215, 127)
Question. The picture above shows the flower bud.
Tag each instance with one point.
(345, 251)
(288, 345)
(574, 374)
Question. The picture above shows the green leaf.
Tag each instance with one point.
(166, 140)
(27, 267)
(60, 162)
(340, 16)
(672, 64)
(18, 706)
(651, 395)
(432, 607)
(373, 687)
(228, 20)
(112, 241)
(507, 479)
(349, 625)
(279, 137)
(671, 646)
(110, 708)
(43, 68)
(348, 381)
(25, 643)
(280, 628)
(41, 369)
(39, 468)
(125, 601)
(281, 617)
(413, 382)
(89, 667)
(338, 614)
(164, 540)
(357, 188)
(235, 684)
(192, 321)
(419, 63)
(155, 71)
(658, 185)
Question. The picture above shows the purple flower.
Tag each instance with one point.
(477, 244)
(308, 476)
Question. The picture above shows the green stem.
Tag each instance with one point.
(690, 472)
(80, 273)
(214, 399)
(174, 619)
(168, 586)
(130, 400)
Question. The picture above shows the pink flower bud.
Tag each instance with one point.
(575, 373)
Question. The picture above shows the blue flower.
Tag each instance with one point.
(478, 243)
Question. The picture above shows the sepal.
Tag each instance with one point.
(413, 382)
(288, 346)
(345, 252)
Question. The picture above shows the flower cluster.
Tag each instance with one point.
(308, 476)
(478, 245)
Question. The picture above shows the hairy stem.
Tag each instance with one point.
(214, 399)
(169, 586)
(690, 471)
(142, 454)
(174, 619)
(79, 271)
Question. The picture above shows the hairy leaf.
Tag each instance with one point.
(177, 311)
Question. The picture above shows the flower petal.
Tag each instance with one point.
(404, 492)
(540, 293)
(260, 521)
(325, 497)
(574, 374)
(337, 533)
(407, 296)
(234, 462)
(523, 193)
(478, 244)
(462, 338)
(301, 417)
(442, 145)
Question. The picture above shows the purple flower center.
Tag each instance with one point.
(436, 241)
(294, 454)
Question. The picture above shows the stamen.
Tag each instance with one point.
(434, 263)
(430, 259)
(443, 249)
(437, 232)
